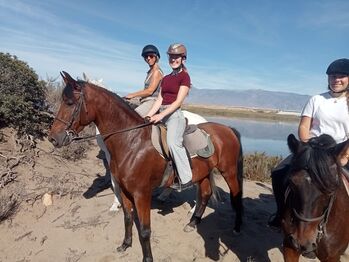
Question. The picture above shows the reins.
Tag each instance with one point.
(106, 136)
(73, 136)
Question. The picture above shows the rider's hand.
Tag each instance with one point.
(147, 119)
(156, 118)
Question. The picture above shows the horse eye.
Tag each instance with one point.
(69, 102)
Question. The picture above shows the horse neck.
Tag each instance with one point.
(111, 112)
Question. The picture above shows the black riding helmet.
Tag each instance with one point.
(339, 66)
(150, 49)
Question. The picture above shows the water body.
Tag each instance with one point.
(261, 136)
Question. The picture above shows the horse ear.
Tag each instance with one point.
(86, 78)
(293, 143)
(340, 150)
(69, 80)
(63, 76)
(68, 77)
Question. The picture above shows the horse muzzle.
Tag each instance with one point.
(307, 250)
(61, 139)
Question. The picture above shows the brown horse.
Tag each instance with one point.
(315, 220)
(135, 164)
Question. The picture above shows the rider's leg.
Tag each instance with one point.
(279, 184)
(175, 130)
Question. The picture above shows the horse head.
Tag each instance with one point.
(314, 178)
(72, 115)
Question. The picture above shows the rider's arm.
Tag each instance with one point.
(182, 93)
(156, 78)
(156, 106)
(304, 128)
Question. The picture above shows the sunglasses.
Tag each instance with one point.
(174, 56)
(151, 56)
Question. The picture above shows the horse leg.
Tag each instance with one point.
(128, 220)
(235, 197)
(236, 202)
(117, 198)
(290, 254)
(142, 203)
(204, 193)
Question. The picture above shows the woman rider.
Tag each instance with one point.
(144, 99)
(326, 113)
(174, 89)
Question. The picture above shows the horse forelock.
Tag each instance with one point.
(318, 162)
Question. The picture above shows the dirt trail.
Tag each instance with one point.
(78, 229)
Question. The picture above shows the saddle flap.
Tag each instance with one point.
(197, 143)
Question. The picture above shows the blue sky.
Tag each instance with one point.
(257, 44)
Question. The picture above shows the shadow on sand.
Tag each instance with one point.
(216, 229)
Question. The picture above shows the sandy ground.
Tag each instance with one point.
(79, 229)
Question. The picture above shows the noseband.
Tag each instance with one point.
(322, 218)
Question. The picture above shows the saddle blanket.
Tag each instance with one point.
(196, 141)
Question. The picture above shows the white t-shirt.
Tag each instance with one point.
(329, 116)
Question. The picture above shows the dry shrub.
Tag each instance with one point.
(257, 166)
(8, 206)
(77, 150)
(74, 151)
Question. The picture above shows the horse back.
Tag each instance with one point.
(222, 133)
(226, 141)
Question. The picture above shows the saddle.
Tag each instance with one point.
(195, 140)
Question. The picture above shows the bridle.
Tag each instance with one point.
(323, 218)
(72, 135)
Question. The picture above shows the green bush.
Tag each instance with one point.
(22, 98)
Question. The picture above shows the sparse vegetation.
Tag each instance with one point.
(22, 98)
(78, 150)
(255, 114)
(258, 166)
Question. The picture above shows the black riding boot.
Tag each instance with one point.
(279, 178)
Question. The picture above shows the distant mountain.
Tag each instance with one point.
(248, 98)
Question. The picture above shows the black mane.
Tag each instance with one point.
(316, 157)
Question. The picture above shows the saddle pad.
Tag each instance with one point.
(198, 143)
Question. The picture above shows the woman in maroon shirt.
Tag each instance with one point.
(167, 109)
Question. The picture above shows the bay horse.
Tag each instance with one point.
(135, 163)
(316, 214)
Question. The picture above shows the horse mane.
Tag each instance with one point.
(316, 159)
(68, 92)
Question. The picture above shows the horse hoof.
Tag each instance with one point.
(122, 248)
(115, 207)
(189, 228)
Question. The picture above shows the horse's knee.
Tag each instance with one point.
(128, 218)
(145, 232)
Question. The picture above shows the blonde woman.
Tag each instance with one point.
(144, 99)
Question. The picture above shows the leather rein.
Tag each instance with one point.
(73, 135)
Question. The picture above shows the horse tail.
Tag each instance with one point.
(240, 159)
